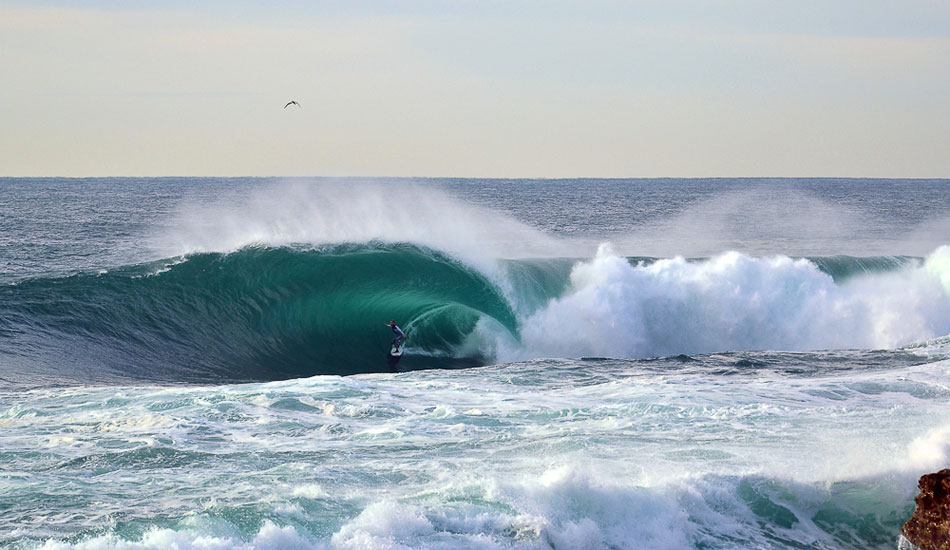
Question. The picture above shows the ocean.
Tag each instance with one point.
(201, 363)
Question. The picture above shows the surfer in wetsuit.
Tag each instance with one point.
(400, 335)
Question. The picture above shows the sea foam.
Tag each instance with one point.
(733, 301)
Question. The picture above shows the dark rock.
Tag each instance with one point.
(929, 527)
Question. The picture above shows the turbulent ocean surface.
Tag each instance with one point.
(590, 364)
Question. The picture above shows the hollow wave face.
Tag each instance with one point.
(273, 313)
(259, 313)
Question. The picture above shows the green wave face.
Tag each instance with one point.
(259, 313)
(276, 313)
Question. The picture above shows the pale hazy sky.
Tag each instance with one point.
(531, 88)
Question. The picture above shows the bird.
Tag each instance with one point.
(289, 103)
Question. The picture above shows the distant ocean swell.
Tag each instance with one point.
(274, 313)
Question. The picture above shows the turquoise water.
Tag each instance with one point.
(590, 364)
(540, 454)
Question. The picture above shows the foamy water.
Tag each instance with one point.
(662, 364)
(733, 301)
(531, 455)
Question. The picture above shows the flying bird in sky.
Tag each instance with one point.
(289, 103)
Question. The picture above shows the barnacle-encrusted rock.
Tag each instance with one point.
(929, 527)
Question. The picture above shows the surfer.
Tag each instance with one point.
(400, 335)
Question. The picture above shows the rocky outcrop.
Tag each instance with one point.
(929, 527)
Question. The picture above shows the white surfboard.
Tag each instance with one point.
(395, 352)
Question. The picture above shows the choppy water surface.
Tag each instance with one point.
(712, 453)
(658, 364)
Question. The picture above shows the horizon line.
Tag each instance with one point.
(498, 178)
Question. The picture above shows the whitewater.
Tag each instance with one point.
(201, 363)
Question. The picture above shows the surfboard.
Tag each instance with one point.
(395, 354)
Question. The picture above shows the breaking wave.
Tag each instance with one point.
(264, 313)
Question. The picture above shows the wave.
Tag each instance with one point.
(737, 302)
(271, 313)
(260, 313)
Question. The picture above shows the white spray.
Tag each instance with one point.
(735, 302)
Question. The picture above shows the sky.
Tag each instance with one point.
(459, 88)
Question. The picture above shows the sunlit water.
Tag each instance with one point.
(628, 398)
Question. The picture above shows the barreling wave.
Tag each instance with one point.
(264, 313)
(258, 313)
